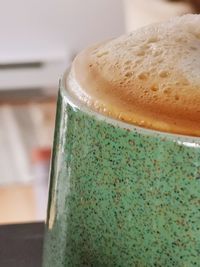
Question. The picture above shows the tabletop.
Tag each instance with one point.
(21, 245)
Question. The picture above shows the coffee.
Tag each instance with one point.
(122, 195)
(150, 77)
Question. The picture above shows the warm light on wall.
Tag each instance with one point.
(139, 13)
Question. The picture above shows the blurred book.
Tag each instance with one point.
(23, 128)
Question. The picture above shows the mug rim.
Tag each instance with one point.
(187, 140)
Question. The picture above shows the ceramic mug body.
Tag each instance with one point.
(120, 195)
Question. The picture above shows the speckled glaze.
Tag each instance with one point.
(120, 195)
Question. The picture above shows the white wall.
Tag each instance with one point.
(56, 26)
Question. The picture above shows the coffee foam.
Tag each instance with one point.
(150, 77)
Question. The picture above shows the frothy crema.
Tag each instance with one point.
(150, 77)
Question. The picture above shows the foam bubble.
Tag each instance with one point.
(143, 76)
(163, 74)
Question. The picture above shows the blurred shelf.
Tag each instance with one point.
(42, 75)
(21, 245)
(25, 97)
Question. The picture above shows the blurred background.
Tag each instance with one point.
(38, 41)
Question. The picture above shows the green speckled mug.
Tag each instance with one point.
(120, 195)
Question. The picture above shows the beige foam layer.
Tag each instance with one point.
(150, 77)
